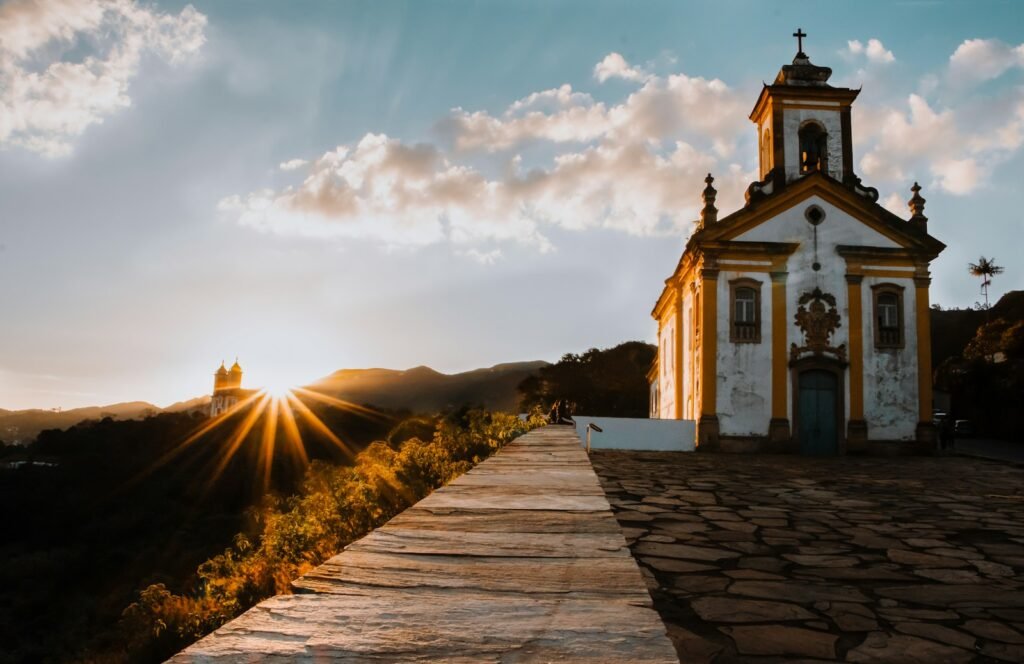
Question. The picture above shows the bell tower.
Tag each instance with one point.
(227, 389)
(803, 124)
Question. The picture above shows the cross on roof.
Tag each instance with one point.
(800, 34)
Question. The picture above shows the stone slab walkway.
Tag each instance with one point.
(519, 560)
(785, 558)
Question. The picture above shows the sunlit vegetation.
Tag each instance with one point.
(334, 506)
(204, 517)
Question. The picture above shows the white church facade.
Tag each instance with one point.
(800, 322)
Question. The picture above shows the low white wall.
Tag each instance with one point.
(631, 433)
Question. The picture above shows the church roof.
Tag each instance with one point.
(236, 367)
(858, 201)
(222, 371)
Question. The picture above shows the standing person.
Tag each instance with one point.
(555, 416)
(946, 434)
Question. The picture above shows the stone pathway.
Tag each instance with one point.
(518, 560)
(785, 558)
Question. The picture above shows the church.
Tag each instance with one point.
(227, 389)
(800, 322)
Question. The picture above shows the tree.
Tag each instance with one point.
(985, 268)
(610, 382)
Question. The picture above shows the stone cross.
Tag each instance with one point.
(799, 34)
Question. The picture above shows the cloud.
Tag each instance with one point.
(560, 159)
(668, 108)
(956, 143)
(559, 115)
(395, 194)
(615, 66)
(875, 51)
(978, 60)
(957, 146)
(292, 164)
(552, 159)
(407, 196)
(483, 257)
(895, 204)
(67, 64)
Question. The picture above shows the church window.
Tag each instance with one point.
(813, 144)
(888, 316)
(745, 296)
(766, 152)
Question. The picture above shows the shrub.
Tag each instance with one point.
(335, 506)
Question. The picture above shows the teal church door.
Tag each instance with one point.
(817, 426)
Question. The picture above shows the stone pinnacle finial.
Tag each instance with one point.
(709, 214)
(916, 204)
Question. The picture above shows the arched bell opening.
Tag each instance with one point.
(813, 147)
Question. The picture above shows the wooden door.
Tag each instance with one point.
(818, 426)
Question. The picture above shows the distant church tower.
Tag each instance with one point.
(227, 388)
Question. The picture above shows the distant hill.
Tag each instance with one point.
(422, 389)
(22, 426)
(198, 403)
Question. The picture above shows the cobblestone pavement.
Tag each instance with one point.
(784, 558)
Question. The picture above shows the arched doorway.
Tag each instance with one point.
(818, 412)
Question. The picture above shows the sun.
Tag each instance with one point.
(279, 387)
(275, 416)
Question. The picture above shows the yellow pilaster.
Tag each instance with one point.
(856, 328)
(678, 355)
(780, 407)
(924, 351)
(692, 349)
(708, 341)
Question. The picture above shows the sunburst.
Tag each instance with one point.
(277, 410)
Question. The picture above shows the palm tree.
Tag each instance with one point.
(985, 268)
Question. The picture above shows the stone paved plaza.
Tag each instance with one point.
(783, 558)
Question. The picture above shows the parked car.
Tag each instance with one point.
(963, 428)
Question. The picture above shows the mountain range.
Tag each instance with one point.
(420, 389)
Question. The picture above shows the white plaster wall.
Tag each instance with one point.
(838, 228)
(792, 118)
(890, 375)
(632, 433)
(743, 371)
(667, 366)
(891, 407)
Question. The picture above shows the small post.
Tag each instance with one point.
(591, 426)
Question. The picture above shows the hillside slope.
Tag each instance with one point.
(953, 329)
(422, 389)
(22, 426)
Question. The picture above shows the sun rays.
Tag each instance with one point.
(272, 423)
(282, 416)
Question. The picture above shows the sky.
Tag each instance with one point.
(312, 186)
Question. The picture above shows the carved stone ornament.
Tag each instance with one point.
(852, 181)
(818, 323)
(766, 187)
